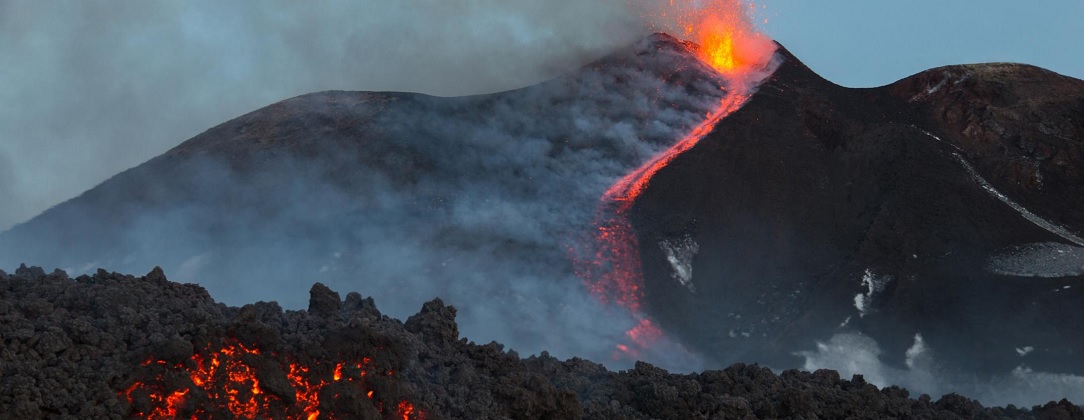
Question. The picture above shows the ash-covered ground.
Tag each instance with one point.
(113, 345)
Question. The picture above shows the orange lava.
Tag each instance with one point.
(628, 188)
(640, 336)
(240, 390)
(406, 411)
(728, 41)
(644, 333)
(724, 39)
(226, 378)
(615, 272)
(165, 406)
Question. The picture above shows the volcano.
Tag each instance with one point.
(937, 216)
(940, 212)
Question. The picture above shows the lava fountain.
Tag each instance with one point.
(724, 39)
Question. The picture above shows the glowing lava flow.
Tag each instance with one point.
(728, 44)
(616, 272)
(227, 380)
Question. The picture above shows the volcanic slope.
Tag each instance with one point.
(940, 216)
(475, 199)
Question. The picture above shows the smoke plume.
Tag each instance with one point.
(474, 199)
(406, 197)
(96, 87)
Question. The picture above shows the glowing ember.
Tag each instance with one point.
(227, 379)
(165, 406)
(240, 391)
(728, 43)
(644, 333)
(640, 336)
(306, 393)
(406, 410)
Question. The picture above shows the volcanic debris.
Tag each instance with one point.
(113, 345)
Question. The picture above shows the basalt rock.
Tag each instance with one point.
(113, 345)
(945, 206)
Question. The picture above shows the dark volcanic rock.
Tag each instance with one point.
(897, 212)
(76, 348)
(324, 302)
(436, 322)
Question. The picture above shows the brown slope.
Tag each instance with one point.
(1020, 125)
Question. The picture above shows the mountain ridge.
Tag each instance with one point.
(842, 191)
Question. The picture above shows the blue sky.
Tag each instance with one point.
(874, 42)
(93, 87)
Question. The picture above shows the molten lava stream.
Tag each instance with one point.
(727, 42)
(616, 272)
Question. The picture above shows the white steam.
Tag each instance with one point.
(680, 253)
(874, 285)
(853, 353)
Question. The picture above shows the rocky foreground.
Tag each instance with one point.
(113, 345)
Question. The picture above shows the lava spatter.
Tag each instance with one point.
(722, 31)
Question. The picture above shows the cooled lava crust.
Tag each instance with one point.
(117, 346)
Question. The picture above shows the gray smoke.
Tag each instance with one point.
(480, 200)
(7, 188)
(90, 88)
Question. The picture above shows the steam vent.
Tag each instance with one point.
(696, 205)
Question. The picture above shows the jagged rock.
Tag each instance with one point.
(436, 321)
(84, 357)
(365, 308)
(156, 274)
(324, 302)
(30, 272)
(1057, 411)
